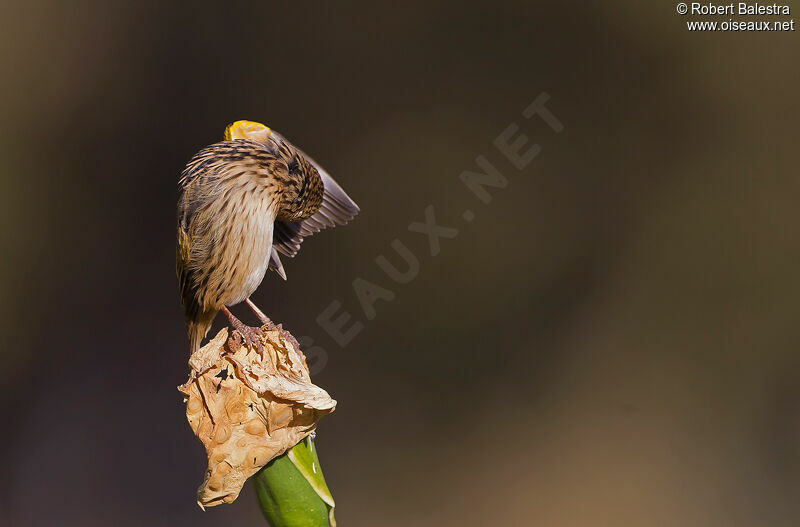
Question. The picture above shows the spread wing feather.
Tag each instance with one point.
(337, 209)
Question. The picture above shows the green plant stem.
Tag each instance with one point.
(291, 489)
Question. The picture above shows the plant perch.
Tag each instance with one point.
(248, 407)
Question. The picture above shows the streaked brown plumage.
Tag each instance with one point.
(243, 202)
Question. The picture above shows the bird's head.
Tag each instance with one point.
(248, 130)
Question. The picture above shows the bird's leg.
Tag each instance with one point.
(249, 335)
(260, 314)
(271, 325)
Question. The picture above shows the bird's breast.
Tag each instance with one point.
(248, 246)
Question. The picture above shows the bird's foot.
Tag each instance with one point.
(269, 324)
(250, 336)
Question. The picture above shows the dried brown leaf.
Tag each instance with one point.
(248, 407)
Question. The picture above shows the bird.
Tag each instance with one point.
(242, 203)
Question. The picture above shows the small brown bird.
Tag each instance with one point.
(241, 203)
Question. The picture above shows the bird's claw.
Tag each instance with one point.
(251, 337)
(248, 335)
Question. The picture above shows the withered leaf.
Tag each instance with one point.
(264, 404)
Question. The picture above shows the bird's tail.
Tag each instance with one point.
(198, 329)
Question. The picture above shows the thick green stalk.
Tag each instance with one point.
(292, 491)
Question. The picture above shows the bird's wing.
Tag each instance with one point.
(275, 263)
(182, 269)
(337, 209)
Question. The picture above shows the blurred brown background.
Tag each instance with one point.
(612, 341)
